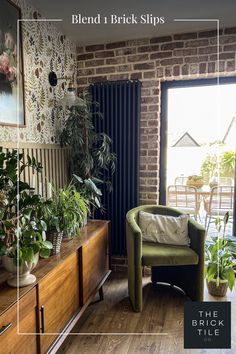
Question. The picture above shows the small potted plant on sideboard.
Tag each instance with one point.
(220, 252)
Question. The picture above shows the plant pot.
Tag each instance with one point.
(25, 278)
(197, 184)
(67, 236)
(55, 238)
(215, 290)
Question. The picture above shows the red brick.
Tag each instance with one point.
(183, 36)
(94, 79)
(231, 30)
(119, 77)
(230, 48)
(115, 61)
(194, 69)
(94, 62)
(185, 69)
(196, 59)
(144, 66)
(168, 72)
(161, 39)
(160, 55)
(176, 70)
(115, 45)
(208, 50)
(137, 57)
(94, 48)
(149, 74)
(125, 51)
(148, 48)
(206, 34)
(105, 70)
(124, 68)
(82, 81)
(136, 76)
(230, 66)
(149, 99)
(185, 52)
(223, 56)
(197, 43)
(160, 72)
(202, 68)
(86, 72)
(211, 67)
(171, 61)
(137, 42)
(173, 45)
(153, 108)
(85, 56)
(104, 54)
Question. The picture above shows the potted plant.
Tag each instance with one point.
(64, 215)
(29, 242)
(22, 228)
(91, 153)
(220, 254)
(195, 181)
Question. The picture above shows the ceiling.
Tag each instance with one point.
(104, 33)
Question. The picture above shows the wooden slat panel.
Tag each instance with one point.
(54, 160)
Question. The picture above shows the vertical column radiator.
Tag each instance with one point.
(119, 103)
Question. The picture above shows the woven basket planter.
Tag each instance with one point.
(55, 238)
(215, 290)
(196, 184)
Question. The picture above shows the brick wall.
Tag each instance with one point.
(176, 57)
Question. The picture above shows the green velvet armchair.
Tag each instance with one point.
(182, 266)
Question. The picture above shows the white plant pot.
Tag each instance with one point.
(25, 278)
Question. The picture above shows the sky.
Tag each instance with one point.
(205, 112)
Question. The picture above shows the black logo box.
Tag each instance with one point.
(214, 330)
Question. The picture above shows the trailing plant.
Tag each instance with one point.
(220, 252)
(91, 154)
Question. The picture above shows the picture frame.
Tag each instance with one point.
(12, 113)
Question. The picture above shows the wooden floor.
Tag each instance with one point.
(162, 313)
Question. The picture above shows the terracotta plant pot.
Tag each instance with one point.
(215, 290)
(25, 278)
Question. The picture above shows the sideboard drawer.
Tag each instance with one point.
(10, 341)
(95, 262)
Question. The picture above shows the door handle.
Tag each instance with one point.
(5, 328)
(42, 318)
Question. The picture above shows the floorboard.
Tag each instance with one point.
(162, 314)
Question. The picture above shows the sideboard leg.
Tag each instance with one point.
(101, 294)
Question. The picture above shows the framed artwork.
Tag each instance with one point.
(11, 79)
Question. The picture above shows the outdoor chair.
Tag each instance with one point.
(184, 198)
(221, 200)
(181, 180)
(182, 266)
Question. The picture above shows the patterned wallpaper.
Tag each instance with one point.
(45, 49)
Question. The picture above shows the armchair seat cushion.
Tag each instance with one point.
(154, 254)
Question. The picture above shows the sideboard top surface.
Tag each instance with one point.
(9, 296)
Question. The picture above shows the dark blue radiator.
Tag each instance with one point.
(119, 103)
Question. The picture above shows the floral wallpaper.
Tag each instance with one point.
(44, 49)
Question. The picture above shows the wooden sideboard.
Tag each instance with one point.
(66, 284)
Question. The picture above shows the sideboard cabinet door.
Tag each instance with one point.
(58, 299)
(10, 341)
(95, 262)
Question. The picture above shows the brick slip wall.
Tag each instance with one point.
(176, 57)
